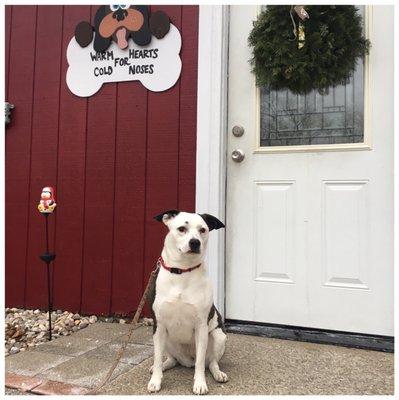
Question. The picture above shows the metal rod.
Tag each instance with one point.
(49, 300)
(48, 281)
(46, 215)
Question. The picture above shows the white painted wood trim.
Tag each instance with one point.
(211, 135)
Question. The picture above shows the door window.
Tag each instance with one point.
(287, 119)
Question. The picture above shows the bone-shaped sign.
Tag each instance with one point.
(157, 66)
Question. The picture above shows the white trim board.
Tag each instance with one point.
(211, 135)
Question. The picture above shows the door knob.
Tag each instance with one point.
(237, 155)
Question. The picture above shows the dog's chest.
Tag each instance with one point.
(179, 318)
(179, 305)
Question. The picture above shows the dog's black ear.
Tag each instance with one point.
(101, 43)
(212, 222)
(83, 33)
(169, 213)
(143, 36)
(159, 24)
(101, 13)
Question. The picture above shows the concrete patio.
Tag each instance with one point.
(255, 365)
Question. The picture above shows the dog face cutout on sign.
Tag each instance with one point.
(146, 49)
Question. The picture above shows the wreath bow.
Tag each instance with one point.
(302, 14)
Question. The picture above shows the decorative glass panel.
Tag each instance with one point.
(287, 119)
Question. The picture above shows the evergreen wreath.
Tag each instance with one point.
(301, 52)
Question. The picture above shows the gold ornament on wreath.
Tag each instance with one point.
(299, 32)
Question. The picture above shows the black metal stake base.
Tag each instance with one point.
(47, 257)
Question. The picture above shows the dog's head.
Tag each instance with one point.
(188, 232)
(119, 23)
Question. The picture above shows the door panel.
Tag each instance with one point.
(274, 207)
(344, 234)
(310, 232)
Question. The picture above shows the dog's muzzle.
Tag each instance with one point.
(120, 14)
(195, 245)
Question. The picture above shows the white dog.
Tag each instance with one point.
(187, 327)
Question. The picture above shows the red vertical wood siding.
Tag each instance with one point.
(70, 180)
(18, 150)
(129, 197)
(116, 159)
(8, 17)
(162, 157)
(188, 109)
(99, 195)
(43, 165)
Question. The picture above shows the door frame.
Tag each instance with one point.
(211, 163)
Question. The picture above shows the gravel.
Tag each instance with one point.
(25, 329)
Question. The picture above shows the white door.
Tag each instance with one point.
(310, 213)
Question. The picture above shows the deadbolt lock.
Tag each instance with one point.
(238, 130)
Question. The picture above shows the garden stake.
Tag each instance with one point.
(46, 207)
(47, 257)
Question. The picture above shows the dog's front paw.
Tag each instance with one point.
(200, 386)
(220, 376)
(154, 385)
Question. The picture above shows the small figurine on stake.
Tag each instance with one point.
(47, 200)
(46, 207)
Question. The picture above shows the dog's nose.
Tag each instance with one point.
(120, 14)
(194, 245)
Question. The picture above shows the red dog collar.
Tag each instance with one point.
(177, 271)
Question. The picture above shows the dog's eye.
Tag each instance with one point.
(114, 7)
(202, 230)
(124, 6)
(181, 229)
